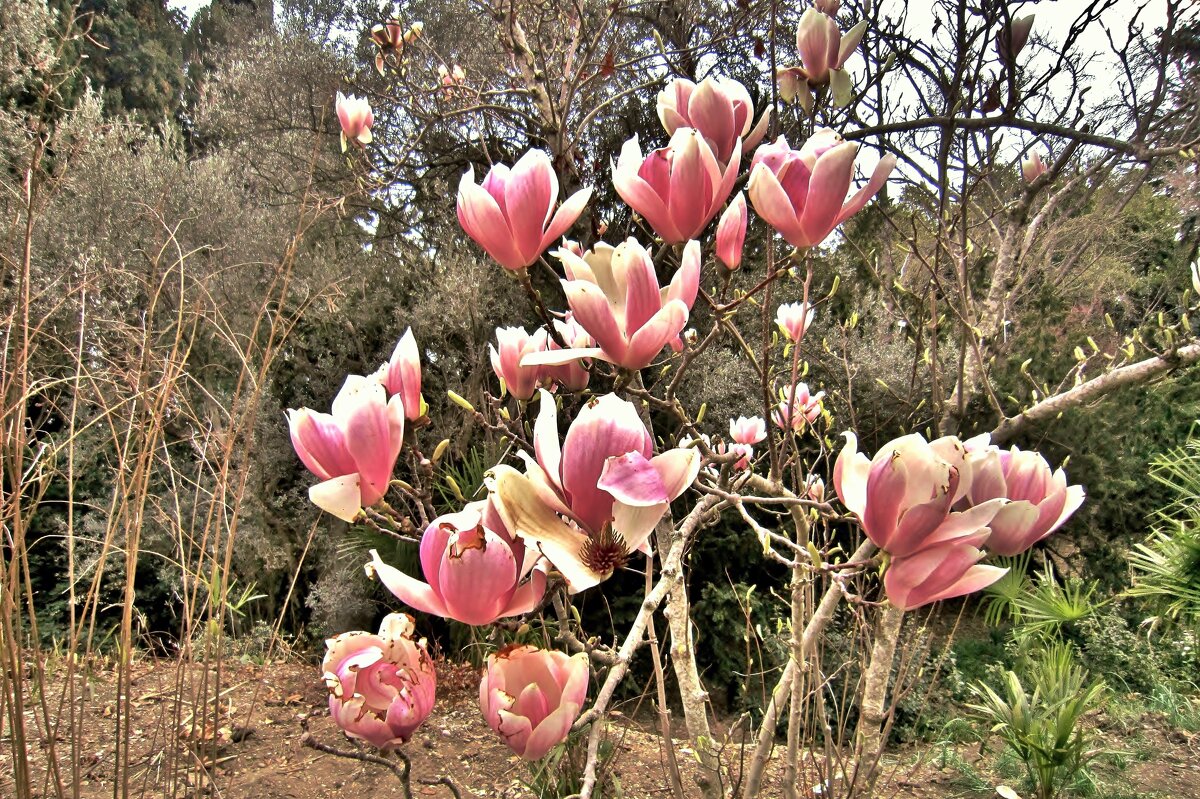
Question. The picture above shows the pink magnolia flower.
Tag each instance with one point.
(381, 687)
(942, 571)
(802, 193)
(745, 430)
(591, 501)
(830, 7)
(1041, 501)
(1032, 166)
(678, 189)
(515, 343)
(476, 569)
(797, 407)
(731, 233)
(356, 118)
(822, 46)
(354, 449)
(388, 36)
(793, 319)
(814, 488)
(402, 376)
(573, 375)
(512, 214)
(904, 494)
(719, 109)
(745, 451)
(614, 295)
(532, 697)
(1013, 38)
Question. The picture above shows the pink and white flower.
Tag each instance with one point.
(356, 118)
(588, 503)
(822, 47)
(354, 449)
(507, 360)
(747, 430)
(1032, 166)
(797, 407)
(381, 687)
(678, 189)
(802, 193)
(793, 319)
(720, 109)
(614, 295)
(1041, 500)
(904, 495)
(532, 697)
(511, 215)
(476, 570)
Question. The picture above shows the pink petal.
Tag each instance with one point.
(545, 437)
(552, 731)
(594, 313)
(976, 579)
(414, 593)
(731, 233)
(566, 216)
(639, 194)
(605, 427)
(827, 189)
(685, 285)
(642, 299)
(887, 486)
(632, 479)
(477, 585)
(317, 439)
(691, 185)
(772, 204)
(530, 194)
(528, 595)
(878, 178)
(850, 472)
(1011, 528)
(646, 343)
(711, 113)
(483, 221)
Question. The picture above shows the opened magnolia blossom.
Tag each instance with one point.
(512, 214)
(615, 298)
(476, 570)
(802, 193)
(353, 449)
(590, 501)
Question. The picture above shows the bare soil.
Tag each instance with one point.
(253, 749)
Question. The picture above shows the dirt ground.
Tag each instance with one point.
(255, 752)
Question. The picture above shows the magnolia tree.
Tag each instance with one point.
(609, 468)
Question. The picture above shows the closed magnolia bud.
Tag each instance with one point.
(731, 233)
